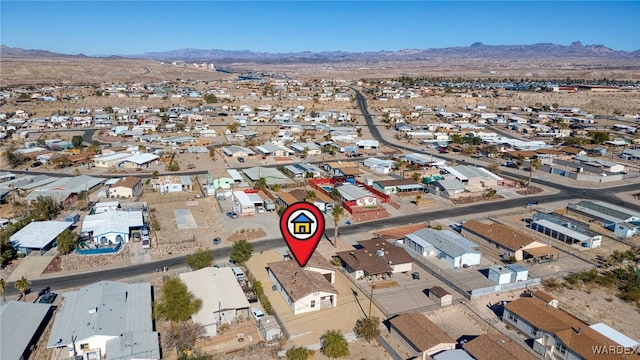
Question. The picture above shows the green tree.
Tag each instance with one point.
(177, 303)
(66, 241)
(233, 127)
(210, 99)
(600, 137)
(335, 194)
(260, 184)
(46, 208)
(415, 177)
(367, 328)
(155, 174)
(200, 259)
(76, 141)
(94, 147)
(13, 158)
(305, 152)
(241, 251)
(337, 213)
(310, 195)
(334, 345)
(418, 199)
(401, 165)
(299, 353)
(22, 285)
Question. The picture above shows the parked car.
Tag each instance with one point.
(216, 241)
(257, 313)
(260, 209)
(241, 159)
(48, 298)
(232, 214)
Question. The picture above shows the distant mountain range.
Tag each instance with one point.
(476, 51)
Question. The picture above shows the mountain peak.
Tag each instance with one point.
(576, 44)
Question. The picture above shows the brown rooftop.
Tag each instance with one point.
(496, 347)
(342, 164)
(420, 331)
(363, 259)
(394, 254)
(546, 318)
(350, 171)
(499, 234)
(298, 282)
(438, 291)
(583, 340)
(570, 150)
(301, 194)
(287, 198)
(544, 296)
(318, 261)
(128, 182)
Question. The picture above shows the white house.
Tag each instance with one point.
(379, 165)
(446, 245)
(112, 226)
(223, 300)
(244, 206)
(101, 320)
(356, 196)
(303, 290)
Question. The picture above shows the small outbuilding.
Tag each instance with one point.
(440, 296)
(269, 328)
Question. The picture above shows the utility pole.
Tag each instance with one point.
(371, 297)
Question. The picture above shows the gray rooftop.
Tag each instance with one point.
(15, 339)
(351, 192)
(605, 211)
(38, 234)
(106, 308)
(446, 241)
(75, 184)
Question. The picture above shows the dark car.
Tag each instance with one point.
(36, 164)
(48, 298)
(241, 159)
(232, 214)
(217, 241)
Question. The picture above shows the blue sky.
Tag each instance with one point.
(134, 27)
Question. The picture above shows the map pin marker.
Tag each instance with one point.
(302, 226)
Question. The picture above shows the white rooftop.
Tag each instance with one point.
(112, 221)
(141, 159)
(38, 234)
(614, 335)
(351, 192)
(106, 308)
(219, 291)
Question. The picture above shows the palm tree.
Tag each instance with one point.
(22, 285)
(401, 165)
(310, 195)
(3, 285)
(533, 165)
(335, 194)
(337, 213)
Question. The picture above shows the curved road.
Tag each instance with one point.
(221, 254)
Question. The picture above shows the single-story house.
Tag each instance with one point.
(172, 183)
(110, 160)
(451, 189)
(375, 258)
(322, 201)
(17, 342)
(112, 226)
(223, 299)
(237, 151)
(342, 169)
(103, 206)
(304, 170)
(379, 165)
(475, 176)
(126, 187)
(419, 335)
(608, 215)
(138, 161)
(512, 242)
(397, 186)
(37, 236)
(447, 245)
(356, 196)
(311, 148)
(271, 175)
(303, 290)
(101, 319)
(270, 149)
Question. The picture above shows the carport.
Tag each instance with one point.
(541, 254)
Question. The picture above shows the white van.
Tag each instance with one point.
(238, 273)
(4, 223)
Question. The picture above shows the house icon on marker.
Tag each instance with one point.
(302, 224)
